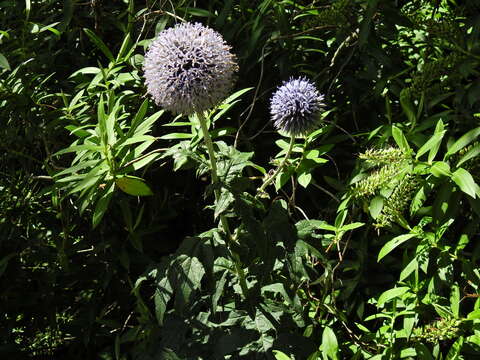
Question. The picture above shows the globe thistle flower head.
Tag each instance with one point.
(296, 106)
(189, 68)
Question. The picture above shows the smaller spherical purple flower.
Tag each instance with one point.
(296, 106)
(189, 68)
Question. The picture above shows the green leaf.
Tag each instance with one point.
(4, 62)
(186, 274)
(304, 179)
(400, 139)
(172, 136)
(470, 154)
(407, 270)
(432, 145)
(473, 315)
(463, 141)
(465, 181)
(351, 226)
(280, 355)
(78, 148)
(455, 301)
(407, 105)
(392, 244)
(391, 294)
(455, 350)
(102, 204)
(329, 344)
(86, 70)
(376, 206)
(99, 44)
(133, 185)
(440, 169)
(124, 48)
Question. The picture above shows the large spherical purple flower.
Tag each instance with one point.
(296, 106)
(189, 68)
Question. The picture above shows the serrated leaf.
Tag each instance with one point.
(133, 185)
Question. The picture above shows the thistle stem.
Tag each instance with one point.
(223, 220)
(279, 168)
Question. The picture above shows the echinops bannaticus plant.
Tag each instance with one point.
(295, 110)
(296, 106)
(189, 68)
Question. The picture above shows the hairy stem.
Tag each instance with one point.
(279, 168)
(223, 220)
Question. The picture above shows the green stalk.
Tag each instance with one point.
(223, 220)
(280, 167)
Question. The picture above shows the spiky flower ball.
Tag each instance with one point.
(296, 106)
(189, 68)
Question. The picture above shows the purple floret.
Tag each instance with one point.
(189, 68)
(296, 106)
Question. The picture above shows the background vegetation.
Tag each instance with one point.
(365, 248)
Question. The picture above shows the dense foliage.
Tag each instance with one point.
(126, 234)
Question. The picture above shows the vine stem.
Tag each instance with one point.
(279, 168)
(216, 191)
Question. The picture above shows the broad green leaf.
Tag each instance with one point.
(186, 274)
(473, 315)
(304, 179)
(465, 181)
(4, 62)
(99, 44)
(133, 185)
(392, 244)
(376, 206)
(391, 294)
(400, 139)
(329, 344)
(440, 169)
(463, 141)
